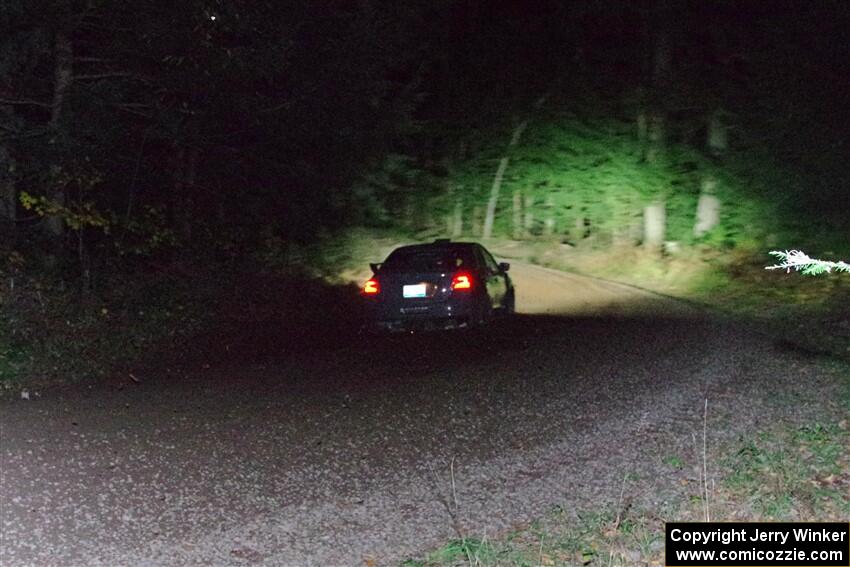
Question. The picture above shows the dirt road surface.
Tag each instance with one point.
(331, 448)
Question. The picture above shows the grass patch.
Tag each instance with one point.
(460, 551)
(589, 538)
(784, 474)
(792, 474)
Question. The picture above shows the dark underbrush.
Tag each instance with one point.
(164, 317)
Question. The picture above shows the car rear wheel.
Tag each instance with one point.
(481, 316)
(508, 304)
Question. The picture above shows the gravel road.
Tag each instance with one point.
(364, 450)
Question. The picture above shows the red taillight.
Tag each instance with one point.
(462, 282)
(371, 287)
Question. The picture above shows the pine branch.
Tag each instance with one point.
(799, 261)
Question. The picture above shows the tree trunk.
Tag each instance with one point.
(654, 225)
(717, 138)
(661, 79)
(497, 182)
(177, 174)
(8, 203)
(8, 193)
(63, 79)
(454, 217)
(184, 171)
(449, 213)
(528, 222)
(549, 223)
(655, 136)
(708, 208)
(642, 129)
(191, 175)
(476, 220)
(708, 205)
(580, 229)
(635, 225)
(457, 229)
(63, 75)
(517, 215)
(84, 259)
(662, 61)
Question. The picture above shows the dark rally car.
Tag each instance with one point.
(439, 285)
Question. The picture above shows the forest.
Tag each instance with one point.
(147, 145)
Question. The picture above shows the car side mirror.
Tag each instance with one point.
(375, 267)
(504, 266)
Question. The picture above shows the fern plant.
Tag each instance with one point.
(799, 261)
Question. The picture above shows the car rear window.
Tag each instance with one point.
(429, 260)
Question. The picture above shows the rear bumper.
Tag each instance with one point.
(421, 316)
(424, 324)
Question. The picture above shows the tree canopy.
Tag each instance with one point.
(205, 128)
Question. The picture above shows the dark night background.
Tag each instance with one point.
(146, 145)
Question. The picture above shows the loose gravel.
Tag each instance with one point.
(355, 449)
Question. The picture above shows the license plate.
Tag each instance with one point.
(417, 290)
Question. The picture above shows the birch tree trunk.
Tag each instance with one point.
(580, 228)
(497, 182)
(456, 194)
(708, 205)
(654, 214)
(528, 211)
(717, 138)
(654, 222)
(655, 136)
(454, 217)
(457, 229)
(549, 223)
(517, 215)
(450, 213)
(708, 208)
(476, 220)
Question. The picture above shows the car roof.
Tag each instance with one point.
(436, 246)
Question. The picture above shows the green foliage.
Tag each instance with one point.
(578, 160)
(381, 195)
(303, 120)
(77, 216)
